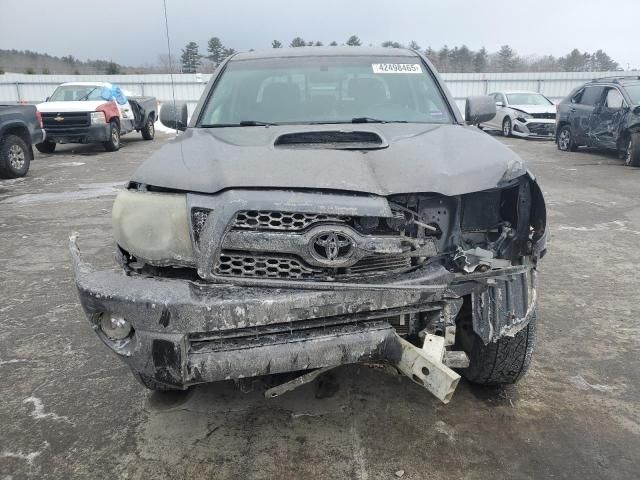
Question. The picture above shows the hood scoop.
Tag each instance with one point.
(332, 139)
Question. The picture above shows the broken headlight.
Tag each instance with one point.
(153, 227)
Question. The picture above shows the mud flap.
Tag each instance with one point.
(505, 307)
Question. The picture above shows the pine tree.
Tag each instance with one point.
(216, 50)
(298, 42)
(190, 58)
(507, 59)
(354, 41)
(480, 60)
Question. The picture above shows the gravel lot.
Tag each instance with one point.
(70, 408)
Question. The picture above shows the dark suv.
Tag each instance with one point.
(604, 113)
(323, 207)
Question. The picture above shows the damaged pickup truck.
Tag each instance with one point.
(323, 207)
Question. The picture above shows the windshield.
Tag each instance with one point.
(74, 93)
(325, 90)
(528, 99)
(634, 93)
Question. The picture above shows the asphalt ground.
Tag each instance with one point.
(70, 409)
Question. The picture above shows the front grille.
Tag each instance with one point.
(65, 120)
(541, 128)
(263, 266)
(241, 264)
(284, 221)
(548, 116)
(381, 263)
(288, 259)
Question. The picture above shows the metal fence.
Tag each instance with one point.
(189, 87)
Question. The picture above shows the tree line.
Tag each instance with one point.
(29, 62)
(446, 59)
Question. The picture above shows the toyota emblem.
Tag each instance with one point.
(331, 247)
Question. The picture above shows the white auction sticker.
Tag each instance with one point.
(396, 68)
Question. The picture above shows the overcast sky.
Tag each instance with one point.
(131, 32)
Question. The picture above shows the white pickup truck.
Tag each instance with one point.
(94, 112)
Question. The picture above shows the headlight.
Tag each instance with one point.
(523, 117)
(98, 117)
(515, 169)
(153, 226)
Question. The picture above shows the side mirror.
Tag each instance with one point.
(636, 110)
(47, 99)
(175, 117)
(479, 109)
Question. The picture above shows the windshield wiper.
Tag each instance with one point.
(243, 123)
(374, 120)
(84, 97)
(255, 123)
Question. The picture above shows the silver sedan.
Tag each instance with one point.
(523, 114)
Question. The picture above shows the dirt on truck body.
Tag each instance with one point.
(324, 207)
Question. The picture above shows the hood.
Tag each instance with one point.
(446, 159)
(534, 108)
(55, 107)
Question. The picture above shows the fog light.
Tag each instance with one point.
(114, 326)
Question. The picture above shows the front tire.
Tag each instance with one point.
(113, 144)
(632, 151)
(15, 157)
(507, 127)
(565, 140)
(502, 362)
(46, 147)
(149, 129)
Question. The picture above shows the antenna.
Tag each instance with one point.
(173, 89)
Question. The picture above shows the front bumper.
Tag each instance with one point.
(38, 136)
(534, 128)
(187, 332)
(96, 133)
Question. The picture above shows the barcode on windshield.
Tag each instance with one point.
(396, 68)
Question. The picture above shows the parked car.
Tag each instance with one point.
(523, 114)
(20, 128)
(603, 113)
(94, 112)
(325, 206)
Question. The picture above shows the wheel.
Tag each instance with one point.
(506, 127)
(113, 143)
(148, 382)
(15, 157)
(565, 140)
(149, 130)
(46, 147)
(498, 363)
(632, 151)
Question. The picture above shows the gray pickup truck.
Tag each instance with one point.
(324, 206)
(20, 128)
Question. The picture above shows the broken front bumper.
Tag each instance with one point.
(534, 128)
(185, 333)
